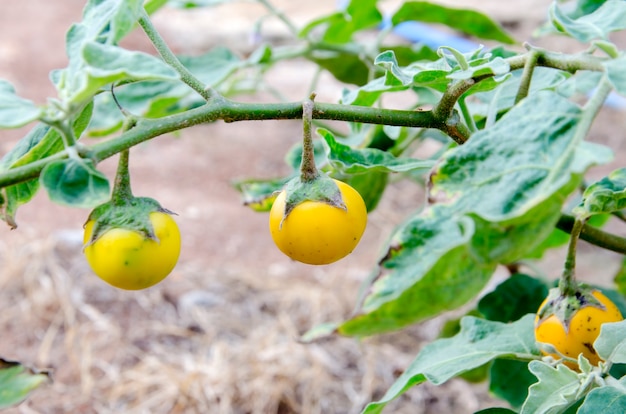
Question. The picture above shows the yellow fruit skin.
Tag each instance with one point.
(128, 260)
(317, 233)
(583, 330)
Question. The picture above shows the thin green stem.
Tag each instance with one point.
(527, 75)
(594, 235)
(308, 170)
(170, 58)
(467, 115)
(567, 283)
(121, 188)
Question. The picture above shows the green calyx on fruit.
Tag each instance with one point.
(124, 210)
(310, 185)
(132, 215)
(565, 306)
(322, 189)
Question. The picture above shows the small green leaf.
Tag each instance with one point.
(496, 410)
(339, 27)
(467, 21)
(259, 195)
(355, 161)
(17, 381)
(109, 21)
(611, 343)
(609, 399)
(555, 391)
(609, 17)
(101, 65)
(515, 297)
(615, 73)
(75, 182)
(345, 67)
(14, 110)
(607, 195)
(479, 342)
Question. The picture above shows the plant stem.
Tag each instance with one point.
(527, 75)
(594, 235)
(308, 170)
(122, 192)
(170, 58)
(567, 283)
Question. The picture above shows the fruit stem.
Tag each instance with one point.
(308, 170)
(122, 192)
(567, 284)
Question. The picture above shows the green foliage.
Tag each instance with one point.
(511, 156)
(17, 381)
(478, 342)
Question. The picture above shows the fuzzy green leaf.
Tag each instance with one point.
(100, 65)
(467, 21)
(555, 391)
(42, 141)
(14, 110)
(17, 381)
(616, 74)
(611, 343)
(610, 399)
(355, 161)
(609, 17)
(607, 195)
(491, 200)
(479, 342)
(75, 182)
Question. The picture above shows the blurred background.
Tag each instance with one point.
(220, 334)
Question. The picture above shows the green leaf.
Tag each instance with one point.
(101, 65)
(214, 66)
(607, 195)
(41, 141)
(515, 297)
(479, 342)
(339, 27)
(609, 17)
(495, 410)
(345, 67)
(259, 195)
(370, 185)
(611, 343)
(615, 73)
(490, 201)
(608, 399)
(467, 21)
(509, 380)
(555, 391)
(109, 21)
(17, 381)
(14, 110)
(355, 161)
(75, 182)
